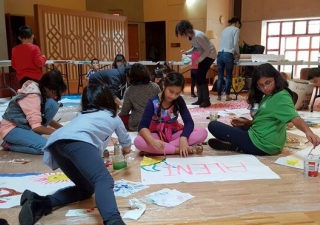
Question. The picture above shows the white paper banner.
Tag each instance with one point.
(201, 169)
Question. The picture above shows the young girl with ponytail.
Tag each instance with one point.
(30, 112)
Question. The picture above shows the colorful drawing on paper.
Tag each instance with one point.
(167, 197)
(202, 169)
(49, 178)
(296, 159)
(154, 163)
(124, 188)
(12, 185)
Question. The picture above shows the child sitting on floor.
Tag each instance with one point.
(266, 133)
(30, 112)
(159, 129)
(137, 95)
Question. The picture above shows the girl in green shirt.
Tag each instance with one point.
(266, 133)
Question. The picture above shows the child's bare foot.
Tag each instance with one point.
(196, 149)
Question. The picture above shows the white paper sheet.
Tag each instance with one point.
(208, 168)
(296, 159)
(167, 197)
(41, 183)
(124, 188)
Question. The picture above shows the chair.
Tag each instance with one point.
(313, 73)
(304, 73)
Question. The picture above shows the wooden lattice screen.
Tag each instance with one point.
(80, 35)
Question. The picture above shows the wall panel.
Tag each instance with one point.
(80, 35)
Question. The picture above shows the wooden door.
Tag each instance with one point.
(133, 42)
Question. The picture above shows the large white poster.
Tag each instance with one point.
(13, 185)
(157, 170)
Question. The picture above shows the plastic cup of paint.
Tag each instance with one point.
(119, 162)
(311, 165)
(213, 116)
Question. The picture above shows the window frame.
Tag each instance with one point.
(283, 37)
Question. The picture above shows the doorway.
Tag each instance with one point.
(133, 42)
(156, 41)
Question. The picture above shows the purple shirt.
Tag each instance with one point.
(150, 113)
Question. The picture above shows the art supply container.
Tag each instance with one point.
(119, 162)
(311, 165)
(213, 116)
(117, 148)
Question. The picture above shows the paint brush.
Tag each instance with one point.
(292, 147)
(311, 151)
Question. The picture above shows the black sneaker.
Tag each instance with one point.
(221, 145)
(3, 222)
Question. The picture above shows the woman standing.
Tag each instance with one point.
(201, 43)
(228, 53)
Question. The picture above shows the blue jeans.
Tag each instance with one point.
(83, 164)
(28, 141)
(225, 60)
(237, 136)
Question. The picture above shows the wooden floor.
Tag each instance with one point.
(293, 199)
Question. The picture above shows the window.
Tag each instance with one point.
(296, 40)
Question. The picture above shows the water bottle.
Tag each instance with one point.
(117, 148)
(118, 160)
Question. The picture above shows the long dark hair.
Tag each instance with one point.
(97, 97)
(138, 74)
(266, 70)
(119, 58)
(53, 81)
(172, 79)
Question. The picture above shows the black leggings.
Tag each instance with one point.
(237, 136)
(203, 68)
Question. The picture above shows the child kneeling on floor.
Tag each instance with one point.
(77, 149)
(159, 129)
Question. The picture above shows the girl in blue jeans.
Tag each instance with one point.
(30, 112)
(77, 148)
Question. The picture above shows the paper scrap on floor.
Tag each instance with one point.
(81, 212)
(138, 209)
(296, 159)
(167, 197)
